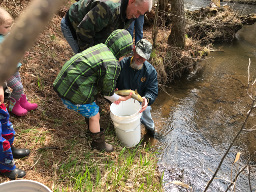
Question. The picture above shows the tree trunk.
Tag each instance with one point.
(155, 27)
(177, 35)
(28, 26)
(162, 5)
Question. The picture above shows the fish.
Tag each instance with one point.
(126, 92)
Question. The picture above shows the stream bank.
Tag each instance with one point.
(204, 27)
(200, 114)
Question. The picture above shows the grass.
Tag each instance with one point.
(127, 170)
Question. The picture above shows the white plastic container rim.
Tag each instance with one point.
(125, 119)
(23, 186)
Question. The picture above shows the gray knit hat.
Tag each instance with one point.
(144, 48)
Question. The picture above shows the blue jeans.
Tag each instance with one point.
(146, 119)
(68, 36)
(138, 24)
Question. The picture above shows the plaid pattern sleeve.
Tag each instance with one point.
(78, 79)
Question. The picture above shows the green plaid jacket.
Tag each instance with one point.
(93, 71)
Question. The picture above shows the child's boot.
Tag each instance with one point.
(26, 105)
(98, 142)
(16, 173)
(19, 153)
(15, 108)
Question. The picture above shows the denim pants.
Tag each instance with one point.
(138, 24)
(6, 140)
(68, 36)
(146, 119)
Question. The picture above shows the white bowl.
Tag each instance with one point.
(23, 186)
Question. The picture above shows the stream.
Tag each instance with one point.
(199, 116)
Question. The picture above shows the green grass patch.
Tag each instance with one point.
(128, 169)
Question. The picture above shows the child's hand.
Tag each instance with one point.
(1, 95)
(117, 102)
(122, 98)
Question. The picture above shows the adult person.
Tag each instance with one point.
(94, 71)
(138, 74)
(137, 24)
(90, 22)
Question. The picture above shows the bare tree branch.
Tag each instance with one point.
(234, 180)
(224, 156)
(252, 96)
(24, 33)
(249, 176)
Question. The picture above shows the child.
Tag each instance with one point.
(7, 150)
(93, 71)
(18, 101)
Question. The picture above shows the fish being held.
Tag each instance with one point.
(126, 92)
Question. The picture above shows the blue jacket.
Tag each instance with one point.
(144, 80)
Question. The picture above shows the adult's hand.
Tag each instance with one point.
(144, 104)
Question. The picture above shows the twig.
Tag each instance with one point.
(250, 130)
(249, 176)
(224, 156)
(234, 180)
(249, 71)
(239, 132)
(36, 161)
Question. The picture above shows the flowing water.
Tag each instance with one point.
(199, 116)
(240, 8)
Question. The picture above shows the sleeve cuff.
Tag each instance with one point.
(112, 98)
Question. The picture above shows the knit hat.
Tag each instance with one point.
(144, 48)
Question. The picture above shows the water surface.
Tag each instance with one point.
(199, 117)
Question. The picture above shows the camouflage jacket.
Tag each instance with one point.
(92, 21)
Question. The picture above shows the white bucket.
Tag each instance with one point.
(23, 186)
(126, 120)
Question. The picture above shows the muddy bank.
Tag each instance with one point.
(216, 25)
(251, 2)
(204, 28)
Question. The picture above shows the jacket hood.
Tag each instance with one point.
(119, 42)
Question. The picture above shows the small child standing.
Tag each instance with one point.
(7, 151)
(18, 102)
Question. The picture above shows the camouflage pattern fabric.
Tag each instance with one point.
(94, 20)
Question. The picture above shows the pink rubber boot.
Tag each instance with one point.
(26, 105)
(15, 108)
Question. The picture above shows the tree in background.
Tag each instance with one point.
(177, 35)
(162, 5)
